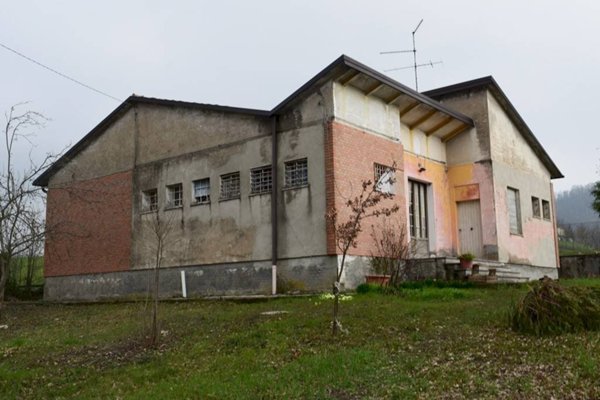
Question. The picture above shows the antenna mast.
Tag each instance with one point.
(415, 66)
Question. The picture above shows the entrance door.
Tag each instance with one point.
(469, 227)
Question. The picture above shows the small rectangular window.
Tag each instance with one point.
(535, 207)
(546, 209)
(296, 173)
(230, 186)
(150, 200)
(201, 189)
(514, 211)
(175, 195)
(384, 178)
(261, 180)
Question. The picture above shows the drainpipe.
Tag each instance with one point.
(274, 201)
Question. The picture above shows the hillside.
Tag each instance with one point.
(574, 206)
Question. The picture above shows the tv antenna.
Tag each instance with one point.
(415, 66)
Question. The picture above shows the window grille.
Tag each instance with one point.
(230, 186)
(175, 195)
(296, 173)
(202, 191)
(384, 178)
(261, 180)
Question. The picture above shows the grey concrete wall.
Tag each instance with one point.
(237, 229)
(584, 266)
(111, 152)
(166, 132)
(305, 275)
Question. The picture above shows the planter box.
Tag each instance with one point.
(382, 280)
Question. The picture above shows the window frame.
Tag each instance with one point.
(518, 215)
(300, 167)
(195, 200)
(546, 205)
(379, 171)
(147, 204)
(420, 230)
(265, 180)
(224, 184)
(535, 201)
(174, 196)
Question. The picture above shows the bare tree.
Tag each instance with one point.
(361, 207)
(160, 226)
(395, 254)
(20, 201)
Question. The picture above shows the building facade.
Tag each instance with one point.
(243, 193)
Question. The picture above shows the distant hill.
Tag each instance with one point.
(574, 206)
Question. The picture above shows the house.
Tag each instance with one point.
(244, 192)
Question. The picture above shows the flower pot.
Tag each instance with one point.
(466, 264)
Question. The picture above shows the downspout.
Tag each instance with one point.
(274, 202)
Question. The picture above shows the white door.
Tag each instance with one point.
(469, 228)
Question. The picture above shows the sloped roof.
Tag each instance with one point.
(344, 69)
(489, 83)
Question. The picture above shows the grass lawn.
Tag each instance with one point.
(429, 343)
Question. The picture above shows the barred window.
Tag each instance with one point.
(150, 200)
(230, 186)
(175, 195)
(535, 206)
(296, 173)
(202, 191)
(546, 209)
(261, 180)
(384, 178)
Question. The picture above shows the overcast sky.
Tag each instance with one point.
(544, 54)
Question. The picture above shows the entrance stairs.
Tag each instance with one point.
(503, 272)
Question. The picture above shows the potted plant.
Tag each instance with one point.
(466, 260)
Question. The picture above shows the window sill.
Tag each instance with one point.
(148, 212)
(173, 208)
(230, 198)
(202, 203)
(259, 194)
(516, 234)
(294, 187)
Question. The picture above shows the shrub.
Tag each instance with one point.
(549, 308)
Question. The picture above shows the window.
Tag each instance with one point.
(201, 191)
(417, 209)
(535, 206)
(546, 209)
(384, 178)
(150, 200)
(296, 173)
(230, 186)
(514, 211)
(175, 195)
(261, 180)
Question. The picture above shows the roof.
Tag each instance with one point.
(416, 109)
(489, 83)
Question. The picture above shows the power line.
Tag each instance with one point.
(59, 73)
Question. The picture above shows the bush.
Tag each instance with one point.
(549, 308)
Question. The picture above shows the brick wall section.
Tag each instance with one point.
(350, 154)
(89, 226)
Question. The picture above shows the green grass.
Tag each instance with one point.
(575, 249)
(424, 342)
